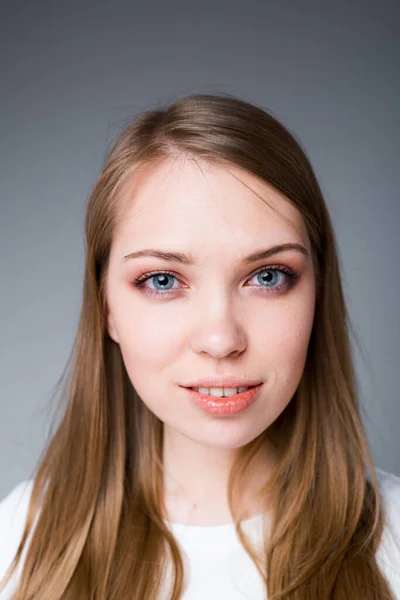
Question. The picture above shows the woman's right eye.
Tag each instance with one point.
(161, 278)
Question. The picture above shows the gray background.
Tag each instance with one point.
(72, 72)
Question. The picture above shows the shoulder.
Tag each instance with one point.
(390, 486)
(13, 513)
(14, 510)
(388, 554)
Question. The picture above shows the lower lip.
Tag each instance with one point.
(225, 406)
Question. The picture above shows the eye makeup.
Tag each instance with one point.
(287, 276)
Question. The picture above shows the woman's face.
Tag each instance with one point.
(219, 316)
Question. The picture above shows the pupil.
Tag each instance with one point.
(268, 277)
(162, 280)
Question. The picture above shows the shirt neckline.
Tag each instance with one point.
(215, 537)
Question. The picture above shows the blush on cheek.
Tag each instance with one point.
(286, 345)
(147, 346)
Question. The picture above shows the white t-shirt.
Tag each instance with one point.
(216, 564)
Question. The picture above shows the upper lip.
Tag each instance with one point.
(221, 382)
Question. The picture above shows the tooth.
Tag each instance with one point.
(218, 392)
(229, 392)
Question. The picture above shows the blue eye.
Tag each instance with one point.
(161, 279)
(267, 277)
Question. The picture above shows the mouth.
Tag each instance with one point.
(216, 403)
(221, 392)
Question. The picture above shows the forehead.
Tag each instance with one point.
(187, 200)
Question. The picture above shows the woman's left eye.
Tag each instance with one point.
(271, 280)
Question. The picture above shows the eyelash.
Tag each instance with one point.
(292, 276)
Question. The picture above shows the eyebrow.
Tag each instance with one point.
(185, 259)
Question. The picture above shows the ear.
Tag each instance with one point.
(112, 330)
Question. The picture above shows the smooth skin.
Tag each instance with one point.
(216, 317)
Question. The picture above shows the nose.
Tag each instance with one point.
(218, 334)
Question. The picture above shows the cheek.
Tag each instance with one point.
(148, 343)
(283, 338)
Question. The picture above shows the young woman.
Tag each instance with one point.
(211, 445)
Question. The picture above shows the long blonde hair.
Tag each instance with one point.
(95, 527)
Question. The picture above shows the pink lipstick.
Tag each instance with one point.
(228, 406)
